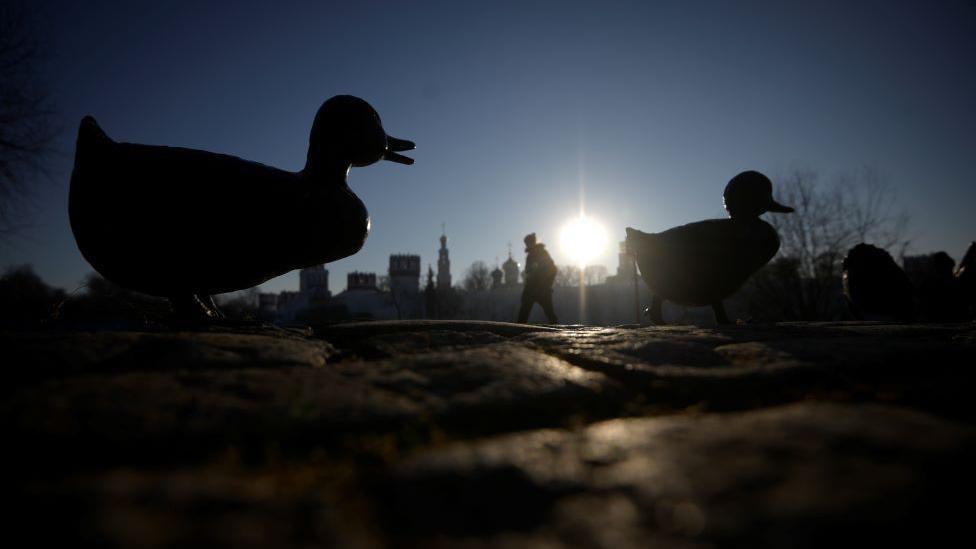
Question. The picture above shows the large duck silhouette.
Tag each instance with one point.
(702, 263)
(186, 224)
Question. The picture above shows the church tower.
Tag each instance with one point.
(313, 283)
(430, 295)
(496, 276)
(443, 264)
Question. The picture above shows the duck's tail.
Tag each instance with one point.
(91, 138)
(633, 237)
(638, 242)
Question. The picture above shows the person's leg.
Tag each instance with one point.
(546, 301)
(526, 307)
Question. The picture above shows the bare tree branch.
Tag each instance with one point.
(803, 282)
(477, 278)
(26, 121)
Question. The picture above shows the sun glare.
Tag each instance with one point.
(583, 239)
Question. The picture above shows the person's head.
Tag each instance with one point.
(529, 240)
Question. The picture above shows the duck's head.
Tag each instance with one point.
(347, 132)
(750, 194)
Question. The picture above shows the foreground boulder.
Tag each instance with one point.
(491, 434)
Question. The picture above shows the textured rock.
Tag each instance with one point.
(491, 434)
(494, 387)
(744, 367)
(803, 475)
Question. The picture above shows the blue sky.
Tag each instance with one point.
(648, 107)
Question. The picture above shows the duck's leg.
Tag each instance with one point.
(212, 309)
(200, 311)
(656, 311)
(720, 316)
(190, 309)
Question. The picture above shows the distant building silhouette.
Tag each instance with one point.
(313, 291)
(360, 281)
(404, 276)
(497, 276)
(314, 283)
(443, 265)
(362, 299)
(430, 295)
(267, 305)
(626, 270)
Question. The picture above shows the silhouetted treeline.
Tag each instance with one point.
(29, 303)
(26, 301)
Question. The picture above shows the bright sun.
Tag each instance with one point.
(583, 239)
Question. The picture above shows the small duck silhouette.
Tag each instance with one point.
(186, 224)
(966, 275)
(702, 263)
(875, 287)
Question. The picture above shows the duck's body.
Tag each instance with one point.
(702, 263)
(184, 223)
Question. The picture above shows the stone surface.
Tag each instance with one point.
(802, 475)
(449, 433)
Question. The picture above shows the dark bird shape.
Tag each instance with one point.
(966, 276)
(186, 224)
(875, 287)
(702, 263)
(938, 293)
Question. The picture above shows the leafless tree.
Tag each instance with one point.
(567, 276)
(477, 278)
(26, 300)
(26, 119)
(830, 218)
(803, 282)
(595, 274)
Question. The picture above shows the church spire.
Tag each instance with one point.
(443, 263)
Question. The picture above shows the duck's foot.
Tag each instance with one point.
(212, 309)
(655, 311)
(196, 312)
(191, 311)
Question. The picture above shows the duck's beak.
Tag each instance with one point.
(393, 146)
(778, 208)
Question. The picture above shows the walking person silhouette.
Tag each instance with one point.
(540, 273)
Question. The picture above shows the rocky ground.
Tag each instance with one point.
(458, 434)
